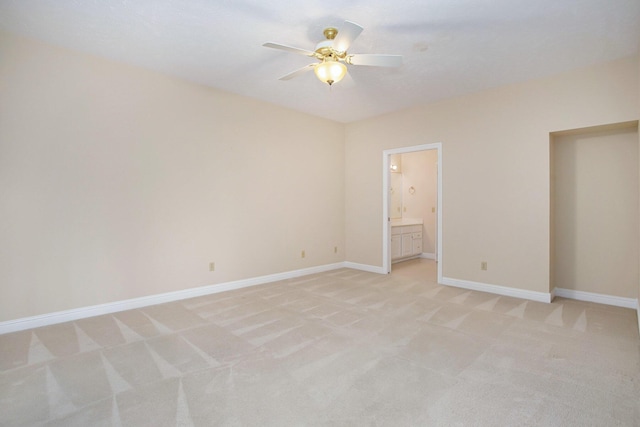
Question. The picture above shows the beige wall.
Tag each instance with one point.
(495, 169)
(419, 170)
(595, 206)
(116, 183)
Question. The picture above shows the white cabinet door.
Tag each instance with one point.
(396, 246)
(417, 243)
(407, 244)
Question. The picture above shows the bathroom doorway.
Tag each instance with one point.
(410, 205)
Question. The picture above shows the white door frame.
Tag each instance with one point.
(386, 222)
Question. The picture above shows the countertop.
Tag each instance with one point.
(405, 221)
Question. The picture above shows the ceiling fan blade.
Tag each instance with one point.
(375, 60)
(298, 72)
(346, 35)
(289, 49)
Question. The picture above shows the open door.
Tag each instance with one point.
(392, 211)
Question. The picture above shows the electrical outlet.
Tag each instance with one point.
(212, 266)
(483, 265)
(335, 249)
(302, 255)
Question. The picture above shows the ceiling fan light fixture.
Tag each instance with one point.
(330, 72)
(333, 56)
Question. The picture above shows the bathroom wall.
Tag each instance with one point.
(419, 171)
(395, 186)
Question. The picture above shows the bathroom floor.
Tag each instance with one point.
(418, 268)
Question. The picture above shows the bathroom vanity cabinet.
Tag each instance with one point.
(406, 241)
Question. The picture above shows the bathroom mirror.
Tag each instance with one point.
(395, 196)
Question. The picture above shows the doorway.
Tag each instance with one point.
(387, 199)
(594, 213)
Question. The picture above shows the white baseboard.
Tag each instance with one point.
(496, 289)
(428, 255)
(97, 310)
(364, 267)
(597, 298)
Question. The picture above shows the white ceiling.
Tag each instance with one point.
(450, 47)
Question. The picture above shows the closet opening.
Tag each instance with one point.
(594, 214)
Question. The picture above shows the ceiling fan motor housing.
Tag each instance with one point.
(330, 33)
(325, 48)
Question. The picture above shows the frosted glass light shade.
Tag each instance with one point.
(330, 71)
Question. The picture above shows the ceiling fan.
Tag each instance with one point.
(332, 54)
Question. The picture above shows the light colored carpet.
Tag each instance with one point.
(343, 348)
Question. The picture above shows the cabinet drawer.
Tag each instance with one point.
(413, 229)
(416, 235)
